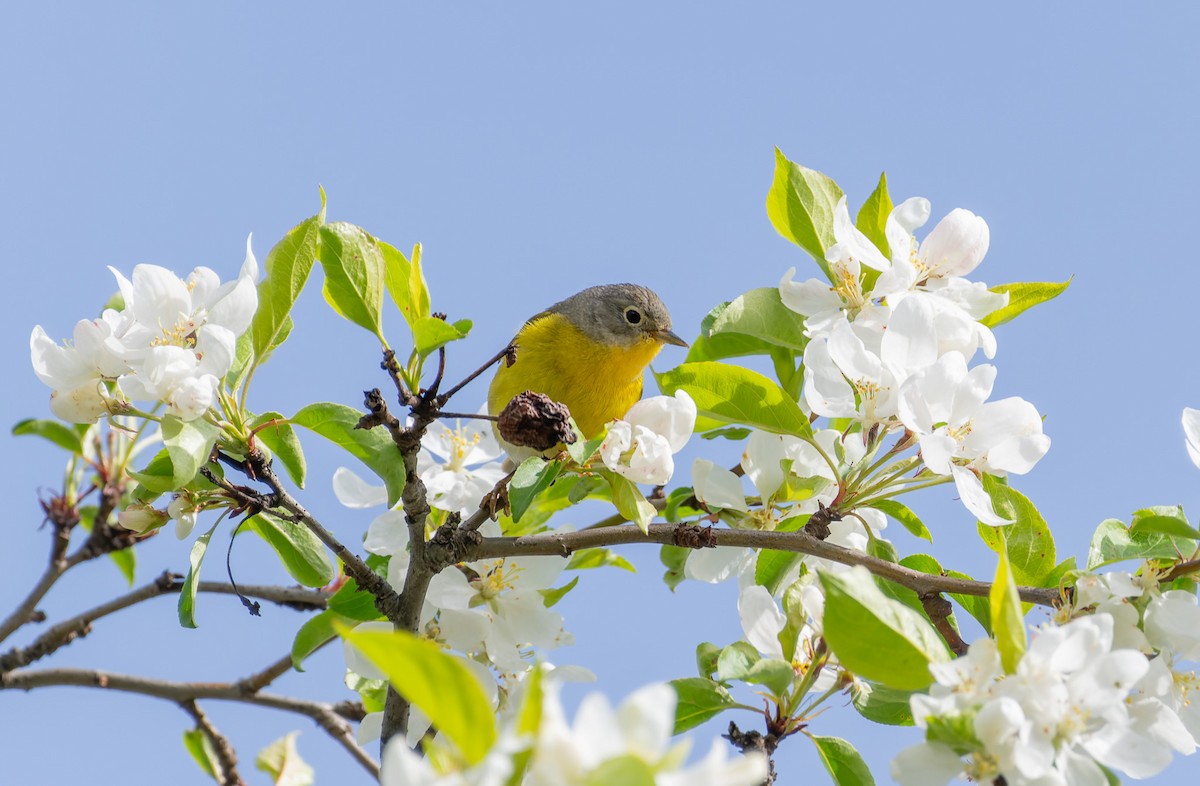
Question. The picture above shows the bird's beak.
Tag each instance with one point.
(669, 337)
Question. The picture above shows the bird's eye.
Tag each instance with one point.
(633, 316)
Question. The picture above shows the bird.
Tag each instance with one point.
(588, 352)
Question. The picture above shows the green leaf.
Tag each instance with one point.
(681, 503)
(583, 449)
(312, 634)
(882, 704)
(876, 637)
(126, 561)
(1030, 545)
(674, 558)
(288, 265)
(760, 313)
(707, 655)
(630, 502)
(373, 447)
(439, 683)
(585, 559)
(772, 566)
(873, 215)
(732, 394)
(800, 205)
(157, 477)
(301, 552)
(1021, 298)
(901, 513)
(627, 770)
(553, 596)
(794, 613)
(700, 699)
(189, 443)
(283, 762)
(243, 357)
(1114, 542)
(430, 333)
(735, 433)
(843, 762)
(736, 660)
(774, 674)
(530, 479)
(197, 743)
(715, 346)
(187, 593)
(351, 602)
(954, 731)
(354, 275)
(280, 438)
(405, 283)
(1164, 519)
(66, 437)
(1008, 621)
(1054, 579)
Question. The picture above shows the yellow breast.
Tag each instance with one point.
(597, 382)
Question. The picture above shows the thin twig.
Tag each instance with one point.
(467, 416)
(226, 757)
(323, 714)
(68, 630)
(507, 351)
(356, 568)
(102, 540)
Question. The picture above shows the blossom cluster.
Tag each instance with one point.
(1102, 686)
(891, 340)
(631, 744)
(171, 342)
(491, 611)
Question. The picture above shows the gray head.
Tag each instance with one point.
(624, 314)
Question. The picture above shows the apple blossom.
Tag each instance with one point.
(640, 446)
(472, 464)
(500, 609)
(1072, 705)
(634, 737)
(961, 433)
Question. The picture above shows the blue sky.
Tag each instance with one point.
(539, 148)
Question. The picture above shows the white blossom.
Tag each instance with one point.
(500, 610)
(1074, 702)
(640, 728)
(460, 465)
(961, 433)
(641, 445)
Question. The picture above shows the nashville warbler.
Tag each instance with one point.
(588, 352)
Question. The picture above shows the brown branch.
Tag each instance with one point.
(323, 714)
(386, 598)
(1183, 569)
(938, 609)
(80, 625)
(226, 757)
(508, 352)
(103, 539)
(566, 543)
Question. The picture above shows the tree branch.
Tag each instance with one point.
(68, 630)
(325, 715)
(63, 515)
(566, 543)
(226, 757)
